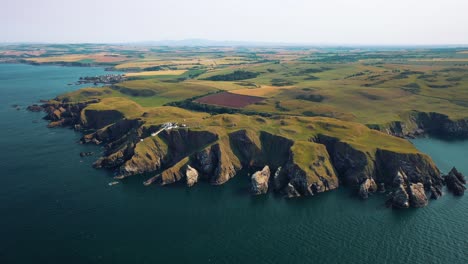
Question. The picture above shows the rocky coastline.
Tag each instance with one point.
(417, 124)
(189, 156)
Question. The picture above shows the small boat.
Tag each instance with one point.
(113, 183)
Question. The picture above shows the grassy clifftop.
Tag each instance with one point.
(308, 155)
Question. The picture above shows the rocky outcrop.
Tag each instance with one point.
(302, 167)
(436, 193)
(164, 151)
(184, 142)
(216, 163)
(366, 171)
(248, 147)
(407, 193)
(86, 154)
(400, 198)
(455, 182)
(116, 158)
(352, 165)
(417, 167)
(114, 132)
(62, 113)
(291, 191)
(95, 119)
(278, 181)
(174, 173)
(147, 156)
(259, 181)
(367, 187)
(421, 123)
(191, 175)
(417, 195)
(35, 108)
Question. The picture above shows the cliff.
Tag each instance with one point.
(418, 123)
(362, 170)
(305, 156)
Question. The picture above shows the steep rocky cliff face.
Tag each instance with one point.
(297, 167)
(216, 163)
(352, 165)
(366, 171)
(95, 119)
(164, 151)
(297, 176)
(419, 123)
(64, 113)
(418, 167)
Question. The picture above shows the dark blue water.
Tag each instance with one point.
(54, 208)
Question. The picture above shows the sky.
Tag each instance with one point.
(368, 22)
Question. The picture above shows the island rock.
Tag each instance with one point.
(400, 198)
(191, 175)
(259, 181)
(455, 182)
(367, 187)
(417, 195)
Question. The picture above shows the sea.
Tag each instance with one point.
(55, 208)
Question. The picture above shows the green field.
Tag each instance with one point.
(369, 86)
(309, 92)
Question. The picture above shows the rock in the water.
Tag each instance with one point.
(436, 192)
(291, 191)
(279, 180)
(35, 108)
(400, 198)
(417, 195)
(367, 187)
(86, 154)
(455, 182)
(192, 176)
(259, 181)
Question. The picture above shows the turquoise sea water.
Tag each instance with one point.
(54, 208)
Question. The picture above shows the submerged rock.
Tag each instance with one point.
(259, 181)
(367, 187)
(455, 182)
(191, 175)
(86, 154)
(417, 195)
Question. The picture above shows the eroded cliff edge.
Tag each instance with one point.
(305, 155)
(415, 124)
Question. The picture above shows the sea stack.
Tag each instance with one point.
(260, 181)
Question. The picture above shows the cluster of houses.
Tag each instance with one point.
(102, 79)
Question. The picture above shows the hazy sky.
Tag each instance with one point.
(297, 21)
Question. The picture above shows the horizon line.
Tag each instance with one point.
(233, 43)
